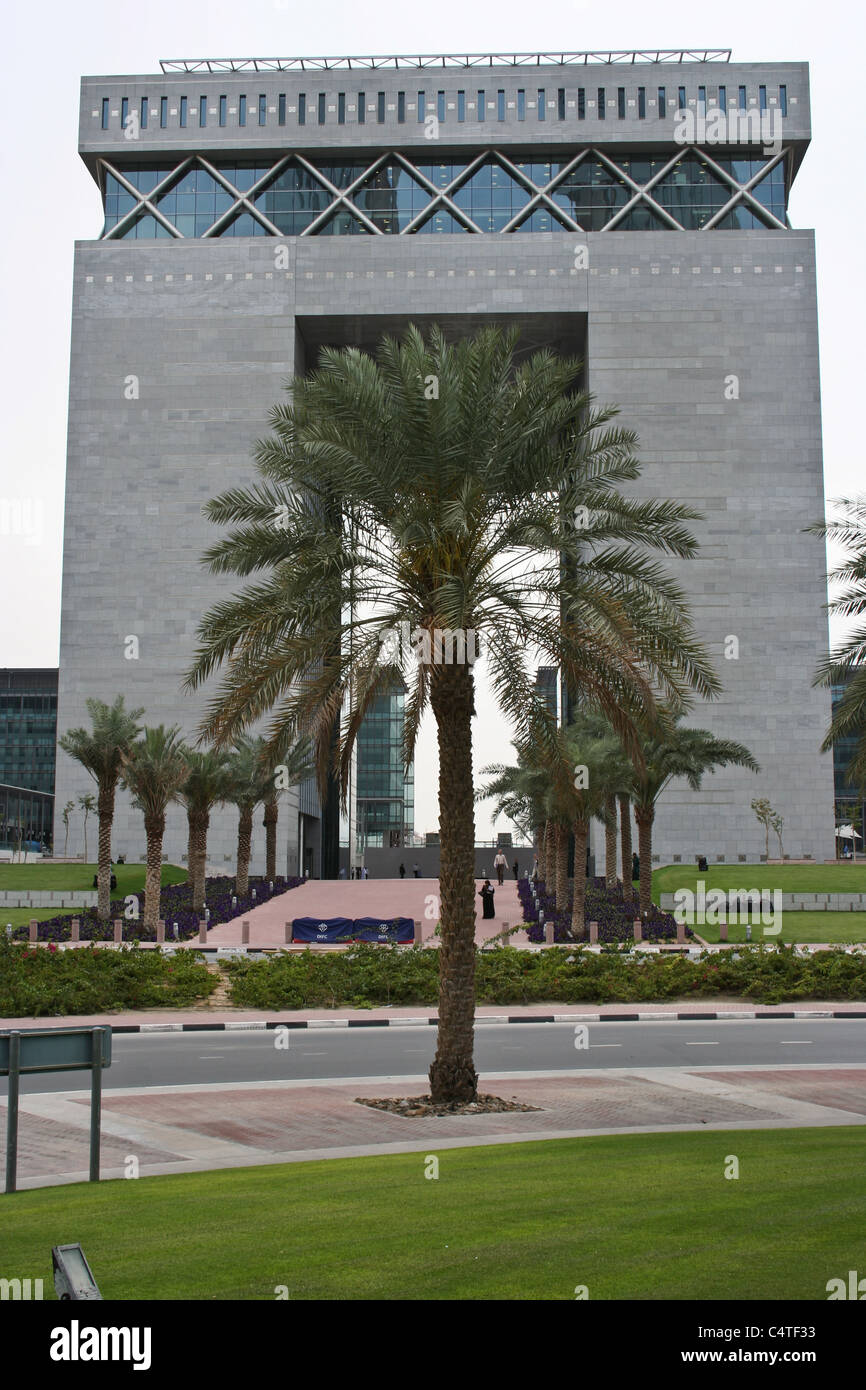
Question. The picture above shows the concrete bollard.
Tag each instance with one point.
(245, 933)
(160, 933)
(75, 935)
(548, 934)
(288, 933)
(723, 931)
(34, 927)
(202, 933)
(593, 933)
(681, 933)
(118, 931)
(638, 930)
(419, 933)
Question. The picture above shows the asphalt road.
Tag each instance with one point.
(173, 1059)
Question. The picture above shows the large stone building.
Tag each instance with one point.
(631, 208)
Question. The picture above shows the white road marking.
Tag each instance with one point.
(702, 1044)
(795, 1042)
(605, 1044)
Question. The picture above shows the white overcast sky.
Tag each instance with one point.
(49, 201)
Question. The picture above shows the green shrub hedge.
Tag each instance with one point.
(45, 981)
(373, 975)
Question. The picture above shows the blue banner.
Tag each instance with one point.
(400, 929)
(333, 929)
(314, 929)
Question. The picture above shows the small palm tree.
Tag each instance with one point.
(101, 751)
(154, 770)
(88, 806)
(676, 751)
(450, 512)
(205, 786)
(295, 766)
(67, 811)
(250, 782)
(846, 666)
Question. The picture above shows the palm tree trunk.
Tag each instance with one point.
(272, 811)
(190, 853)
(452, 1075)
(645, 820)
(580, 830)
(245, 844)
(154, 829)
(105, 806)
(610, 843)
(199, 822)
(549, 857)
(562, 867)
(625, 837)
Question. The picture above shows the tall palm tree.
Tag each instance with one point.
(154, 770)
(101, 751)
(88, 806)
(676, 751)
(846, 665)
(250, 782)
(66, 813)
(624, 800)
(205, 786)
(292, 767)
(462, 504)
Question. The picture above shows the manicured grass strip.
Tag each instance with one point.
(844, 928)
(648, 1216)
(55, 878)
(790, 878)
(22, 916)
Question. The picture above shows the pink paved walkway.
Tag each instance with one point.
(387, 898)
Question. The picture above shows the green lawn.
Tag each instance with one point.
(56, 877)
(790, 878)
(647, 1216)
(23, 916)
(841, 927)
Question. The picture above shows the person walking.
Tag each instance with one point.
(500, 864)
(416, 872)
(486, 896)
(535, 869)
(402, 870)
(516, 870)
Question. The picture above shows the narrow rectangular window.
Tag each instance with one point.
(105, 113)
(380, 108)
(723, 100)
(422, 105)
(783, 100)
(500, 105)
(762, 98)
(302, 108)
(542, 104)
(620, 102)
(362, 108)
(223, 104)
(742, 99)
(663, 104)
(144, 109)
(401, 107)
(322, 101)
(281, 108)
(263, 109)
(183, 113)
(481, 106)
(163, 112)
(681, 97)
(341, 108)
(601, 110)
(461, 106)
(440, 106)
(202, 112)
(641, 103)
(702, 101)
(124, 112)
(521, 104)
(242, 110)
(560, 103)
(581, 104)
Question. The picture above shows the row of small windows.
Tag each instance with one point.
(255, 110)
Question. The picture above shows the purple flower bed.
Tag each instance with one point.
(608, 907)
(175, 906)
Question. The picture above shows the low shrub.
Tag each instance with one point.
(49, 982)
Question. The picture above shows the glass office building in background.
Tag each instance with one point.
(385, 789)
(28, 736)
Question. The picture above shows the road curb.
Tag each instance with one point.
(487, 1020)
